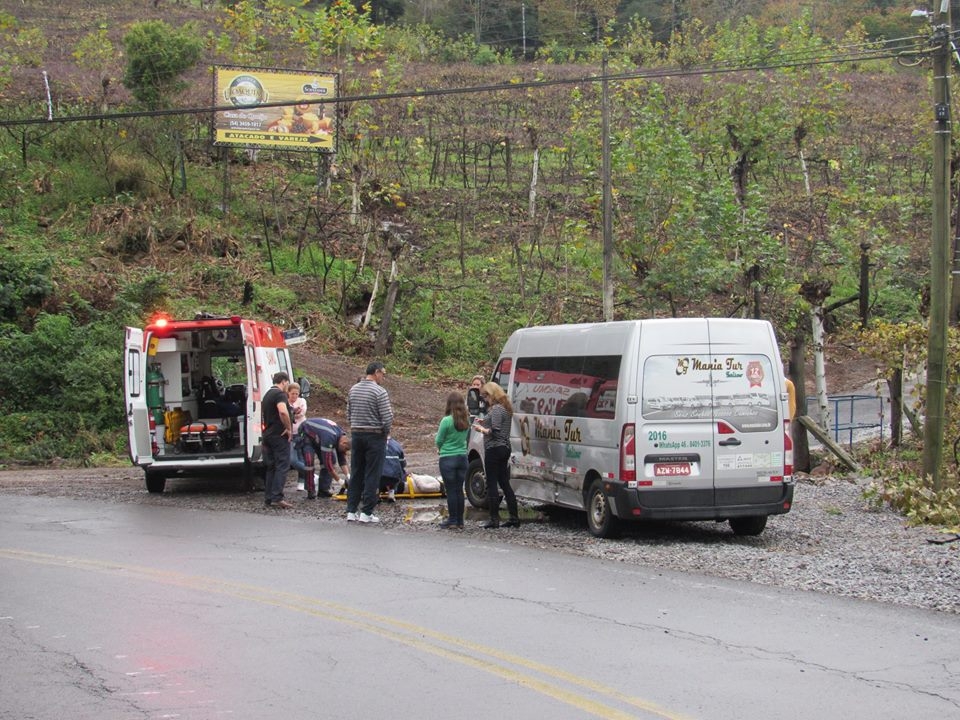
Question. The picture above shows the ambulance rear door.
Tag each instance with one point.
(135, 396)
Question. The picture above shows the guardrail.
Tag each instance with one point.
(851, 413)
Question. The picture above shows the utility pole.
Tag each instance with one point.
(607, 198)
(939, 252)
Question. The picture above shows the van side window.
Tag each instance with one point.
(570, 386)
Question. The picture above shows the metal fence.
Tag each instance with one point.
(853, 417)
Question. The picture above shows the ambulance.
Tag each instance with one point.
(661, 419)
(192, 391)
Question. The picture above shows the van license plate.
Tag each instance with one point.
(671, 469)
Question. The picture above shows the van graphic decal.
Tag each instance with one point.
(729, 388)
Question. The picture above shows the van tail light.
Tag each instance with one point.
(154, 447)
(628, 453)
(787, 451)
(724, 429)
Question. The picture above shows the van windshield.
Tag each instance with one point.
(740, 389)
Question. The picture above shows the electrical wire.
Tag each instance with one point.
(860, 52)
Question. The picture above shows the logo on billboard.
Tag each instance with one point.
(245, 91)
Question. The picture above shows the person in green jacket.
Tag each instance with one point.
(452, 443)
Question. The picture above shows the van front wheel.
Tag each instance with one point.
(600, 519)
(748, 525)
(476, 484)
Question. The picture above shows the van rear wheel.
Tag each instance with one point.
(600, 518)
(748, 525)
(156, 481)
(476, 484)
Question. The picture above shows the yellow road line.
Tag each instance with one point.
(490, 660)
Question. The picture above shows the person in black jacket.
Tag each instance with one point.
(495, 428)
(277, 433)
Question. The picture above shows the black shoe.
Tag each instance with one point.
(447, 524)
(491, 525)
(512, 522)
(324, 493)
(311, 497)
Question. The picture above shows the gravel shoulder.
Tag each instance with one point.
(830, 542)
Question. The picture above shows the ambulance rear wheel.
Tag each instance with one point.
(156, 481)
(748, 525)
(600, 518)
(476, 484)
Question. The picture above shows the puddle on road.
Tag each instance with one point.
(428, 514)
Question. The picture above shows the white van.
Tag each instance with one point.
(192, 391)
(681, 419)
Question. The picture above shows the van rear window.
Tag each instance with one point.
(740, 389)
(570, 386)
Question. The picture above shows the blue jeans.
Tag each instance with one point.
(367, 454)
(453, 470)
(278, 451)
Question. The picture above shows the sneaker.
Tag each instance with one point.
(352, 517)
(371, 518)
(300, 486)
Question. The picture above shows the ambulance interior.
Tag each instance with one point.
(202, 377)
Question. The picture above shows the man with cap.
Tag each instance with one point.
(370, 416)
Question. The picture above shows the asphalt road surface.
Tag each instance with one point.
(123, 611)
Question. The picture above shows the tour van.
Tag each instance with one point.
(192, 392)
(661, 419)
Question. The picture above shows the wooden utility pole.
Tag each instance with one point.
(607, 198)
(939, 253)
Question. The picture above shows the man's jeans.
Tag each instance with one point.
(367, 453)
(278, 448)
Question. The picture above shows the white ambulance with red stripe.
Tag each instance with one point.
(683, 419)
(192, 391)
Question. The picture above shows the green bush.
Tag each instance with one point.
(34, 438)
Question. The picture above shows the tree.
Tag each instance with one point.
(157, 55)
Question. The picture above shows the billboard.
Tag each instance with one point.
(300, 115)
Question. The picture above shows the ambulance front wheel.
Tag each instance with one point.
(156, 481)
(600, 518)
(476, 484)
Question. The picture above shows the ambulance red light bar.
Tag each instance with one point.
(160, 319)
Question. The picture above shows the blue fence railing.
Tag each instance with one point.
(850, 413)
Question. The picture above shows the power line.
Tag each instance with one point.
(861, 55)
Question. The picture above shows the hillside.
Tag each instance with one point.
(453, 216)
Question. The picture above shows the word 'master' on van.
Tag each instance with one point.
(192, 392)
(682, 419)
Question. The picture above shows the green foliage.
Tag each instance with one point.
(60, 366)
(157, 54)
(30, 44)
(94, 51)
(339, 29)
(39, 437)
(24, 285)
(912, 496)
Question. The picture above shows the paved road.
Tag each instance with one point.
(126, 611)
